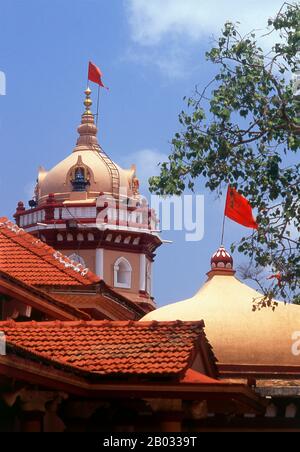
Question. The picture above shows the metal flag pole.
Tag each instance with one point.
(98, 102)
(224, 219)
(223, 230)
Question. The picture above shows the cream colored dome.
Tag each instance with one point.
(101, 173)
(238, 335)
(58, 180)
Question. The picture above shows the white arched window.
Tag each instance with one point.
(122, 273)
(91, 237)
(80, 237)
(60, 238)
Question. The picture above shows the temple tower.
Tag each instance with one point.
(90, 209)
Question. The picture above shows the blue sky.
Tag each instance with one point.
(152, 55)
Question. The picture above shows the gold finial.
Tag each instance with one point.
(88, 101)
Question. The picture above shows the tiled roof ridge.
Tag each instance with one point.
(196, 325)
(44, 251)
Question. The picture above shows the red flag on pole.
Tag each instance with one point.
(239, 209)
(95, 75)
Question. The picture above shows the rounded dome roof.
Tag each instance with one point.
(238, 334)
(58, 179)
(101, 174)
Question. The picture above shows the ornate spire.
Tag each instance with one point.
(87, 129)
(88, 101)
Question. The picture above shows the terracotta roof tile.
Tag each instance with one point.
(47, 302)
(35, 263)
(113, 307)
(109, 348)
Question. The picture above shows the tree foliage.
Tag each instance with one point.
(243, 129)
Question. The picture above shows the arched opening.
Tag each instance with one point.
(80, 179)
(122, 273)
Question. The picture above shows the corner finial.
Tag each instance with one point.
(88, 101)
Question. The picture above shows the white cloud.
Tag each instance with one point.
(146, 161)
(174, 61)
(151, 21)
(166, 34)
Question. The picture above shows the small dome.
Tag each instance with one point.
(221, 259)
(238, 334)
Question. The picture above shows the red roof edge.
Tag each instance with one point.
(191, 376)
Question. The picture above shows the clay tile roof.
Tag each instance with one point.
(104, 303)
(109, 348)
(24, 257)
(48, 300)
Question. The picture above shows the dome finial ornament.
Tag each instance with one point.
(88, 101)
(221, 263)
(221, 259)
(87, 129)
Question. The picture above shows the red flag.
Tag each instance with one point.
(95, 75)
(239, 210)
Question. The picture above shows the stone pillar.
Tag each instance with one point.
(142, 272)
(100, 262)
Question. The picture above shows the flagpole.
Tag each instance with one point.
(223, 230)
(224, 220)
(98, 102)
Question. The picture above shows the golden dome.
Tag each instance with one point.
(238, 335)
(102, 175)
(58, 180)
